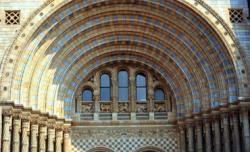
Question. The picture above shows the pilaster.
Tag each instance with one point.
(198, 130)
(226, 135)
(6, 138)
(16, 132)
(236, 134)
(25, 132)
(217, 134)
(34, 133)
(246, 132)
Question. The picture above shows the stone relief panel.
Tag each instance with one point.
(125, 139)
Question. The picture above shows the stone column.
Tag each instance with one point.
(190, 137)
(97, 93)
(208, 135)
(16, 134)
(34, 134)
(59, 137)
(246, 133)
(217, 136)
(25, 135)
(6, 139)
(51, 139)
(236, 133)
(226, 132)
(66, 141)
(132, 90)
(198, 129)
(150, 88)
(1, 122)
(42, 138)
(114, 91)
(182, 139)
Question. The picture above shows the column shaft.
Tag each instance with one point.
(42, 138)
(236, 134)
(198, 129)
(182, 139)
(6, 133)
(51, 138)
(132, 90)
(25, 135)
(217, 136)
(190, 138)
(208, 136)
(114, 91)
(16, 135)
(226, 133)
(1, 125)
(59, 136)
(66, 142)
(246, 133)
(34, 134)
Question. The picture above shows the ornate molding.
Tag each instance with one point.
(123, 132)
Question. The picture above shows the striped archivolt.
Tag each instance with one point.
(191, 49)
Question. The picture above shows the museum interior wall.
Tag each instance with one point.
(124, 75)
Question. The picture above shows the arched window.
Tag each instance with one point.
(105, 87)
(87, 95)
(159, 94)
(123, 85)
(141, 87)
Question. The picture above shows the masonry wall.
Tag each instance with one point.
(27, 7)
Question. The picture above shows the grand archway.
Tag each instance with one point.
(184, 44)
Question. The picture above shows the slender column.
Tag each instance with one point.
(226, 132)
(182, 139)
(34, 134)
(97, 93)
(6, 132)
(236, 137)
(132, 90)
(198, 129)
(16, 134)
(51, 138)
(246, 133)
(190, 138)
(114, 91)
(42, 138)
(66, 141)
(217, 135)
(1, 125)
(208, 135)
(59, 136)
(25, 135)
(150, 94)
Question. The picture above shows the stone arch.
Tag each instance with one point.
(43, 51)
(100, 149)
(149, 149)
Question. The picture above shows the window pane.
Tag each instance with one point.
(159, 94)
(141, 94)
(123, 94)
(105, 80)
(105, 94)
(87, 95)
(123, 79)
(140, 80)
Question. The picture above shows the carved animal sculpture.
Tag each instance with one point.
(87, 108)
(105, 108)
(123, 107)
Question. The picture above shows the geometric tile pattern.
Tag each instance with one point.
(12, 17)
(125, 145)
(124, 139)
